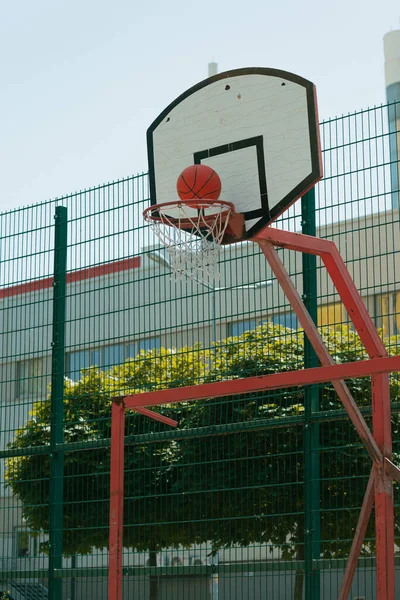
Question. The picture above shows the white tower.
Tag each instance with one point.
(391, 44)
(212, 69)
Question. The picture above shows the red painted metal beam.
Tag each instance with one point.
(384, 504)
(231, 387)
(299, 242)
(384, 525)
(358, 540)
(116, 500)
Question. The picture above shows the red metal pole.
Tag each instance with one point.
(299, 242)
(116, 500)
(384, 525)
(384, 506)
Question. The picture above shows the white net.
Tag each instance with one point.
(192, 236)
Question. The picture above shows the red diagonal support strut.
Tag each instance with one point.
(358, 540)
(156, 417)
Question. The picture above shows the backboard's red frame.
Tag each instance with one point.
(378, 444)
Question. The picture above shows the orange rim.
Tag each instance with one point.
(152, 213)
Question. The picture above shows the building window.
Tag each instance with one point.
(148, 344)
(386, 313)
(288, 320)
(387, 307)
(112, 355)
(107, 356)
(131, 350)
(328, 315)
(26, 544)
(240, 327)
(76, 361)
(31, 379)
(331, 314)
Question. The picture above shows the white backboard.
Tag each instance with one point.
(257, 127)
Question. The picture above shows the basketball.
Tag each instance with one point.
(198, 181)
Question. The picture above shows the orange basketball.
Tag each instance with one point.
(198, 181)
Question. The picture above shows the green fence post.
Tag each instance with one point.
(311, 430)
(57, 405)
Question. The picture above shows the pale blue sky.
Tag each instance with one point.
(82, 80)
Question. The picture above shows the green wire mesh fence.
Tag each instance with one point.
(215, 509)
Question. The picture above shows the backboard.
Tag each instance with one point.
(257, 127)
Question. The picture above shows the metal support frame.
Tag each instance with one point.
(311, 453)
(378, 445)
(381, 440)
(56, 491)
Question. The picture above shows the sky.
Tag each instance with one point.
(81, 80)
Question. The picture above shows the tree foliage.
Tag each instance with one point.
(148, 467)
(237, 479)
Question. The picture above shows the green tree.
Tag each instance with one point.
(237, 480)
(148, 468)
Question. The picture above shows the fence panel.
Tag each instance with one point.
(241, 500)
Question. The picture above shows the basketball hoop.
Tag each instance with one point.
(192, 231)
